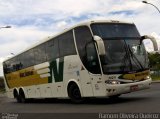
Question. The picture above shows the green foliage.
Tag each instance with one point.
(155, 77)
(2, 90)
(154, 61)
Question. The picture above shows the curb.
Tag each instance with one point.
(155, 81)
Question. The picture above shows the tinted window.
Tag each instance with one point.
(21, 66)
(22, 60)
(16, 64)
(66, 44)
(42, 53)
(114, 30)
(39, 53)
(7, 67)
(27, 58)
(52, 49)
(12, 65)
(30, 58)
(83, 39)
(83, 36)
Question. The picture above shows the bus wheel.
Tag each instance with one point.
(16, 96)
(74, 94)
(22, 97)
(114, 96)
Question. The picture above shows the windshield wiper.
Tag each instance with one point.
(134, 57)
(127, 56)
(124, 61)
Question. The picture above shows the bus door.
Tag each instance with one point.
(93, 67)
(86, 85)
(88, 55)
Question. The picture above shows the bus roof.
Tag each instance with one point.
(67, 29)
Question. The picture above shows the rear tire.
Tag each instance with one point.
(22, 97)
(16, 96)
(114, 96)
(74, 94)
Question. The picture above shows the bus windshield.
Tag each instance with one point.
(124, 52)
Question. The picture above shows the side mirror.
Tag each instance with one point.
(100, 45)
(155, 45)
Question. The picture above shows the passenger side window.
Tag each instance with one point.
(60, 46)
(40, 54)
(22, 60)
(27, 58)
(66, 44)
(52, 49)
(6, 67)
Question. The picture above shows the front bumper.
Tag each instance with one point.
(126, 88)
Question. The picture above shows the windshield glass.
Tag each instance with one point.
(115, 30)
(124, 53)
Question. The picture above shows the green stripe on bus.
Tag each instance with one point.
(57, 72)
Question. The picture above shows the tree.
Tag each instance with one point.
(154, 60)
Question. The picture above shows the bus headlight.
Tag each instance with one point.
(148, 77)
(113, 82)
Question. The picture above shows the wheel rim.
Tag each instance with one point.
(76, 93)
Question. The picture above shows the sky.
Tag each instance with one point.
(33, 20)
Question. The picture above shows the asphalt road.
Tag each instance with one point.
(146, 101)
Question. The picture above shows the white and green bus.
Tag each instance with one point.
(91, 59)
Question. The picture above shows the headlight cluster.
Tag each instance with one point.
(113, 82)
(148, 77)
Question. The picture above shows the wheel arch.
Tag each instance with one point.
(22, 90)
(15, 92)
(73, 81)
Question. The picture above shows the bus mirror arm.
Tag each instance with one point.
(100, 45)
(155, 45)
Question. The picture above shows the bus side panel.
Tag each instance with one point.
(39, 85)
(71, 72)
(46, 90)
(74, 70)
(9, 93)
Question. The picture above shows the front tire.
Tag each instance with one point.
(74, 94)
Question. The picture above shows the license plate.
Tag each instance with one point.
(134, 88)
